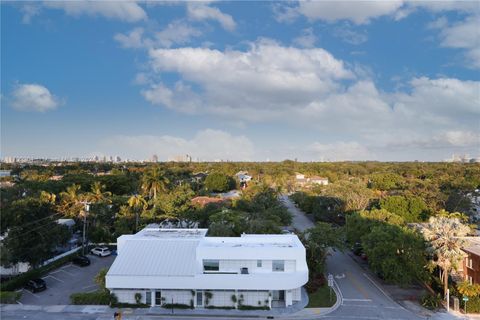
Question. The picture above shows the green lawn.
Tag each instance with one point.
(321, 298)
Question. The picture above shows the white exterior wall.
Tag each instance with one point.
(288, 298)
(251, 298)
(178, 296)
(296, 294)
(221, 298)
(128, 295)
(236, 265)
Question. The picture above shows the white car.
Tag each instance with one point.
(101, 251)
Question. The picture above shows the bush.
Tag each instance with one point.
(129, 305)
(176, 306)
(431, 301)
(138, 298)
(215, 307)
(97, 297)
(473, 305)
(315, 282)
(9, 296)
(245, 307)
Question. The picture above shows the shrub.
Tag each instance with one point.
(234, 298)
(9, 296)
(217, 307)
(176, 306)
(430, 301)
(138, 297)
(315, 282)
(129, 305)
(97, 297)
(245, 307)
(473, 305)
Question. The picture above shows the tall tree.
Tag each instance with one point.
(137, 203)
(444, 236)
(154, 181)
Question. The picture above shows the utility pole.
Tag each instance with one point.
(85, 213)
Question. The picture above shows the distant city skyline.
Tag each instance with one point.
(241, 81)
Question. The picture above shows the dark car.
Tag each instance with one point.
(36, 285)
(81, 261)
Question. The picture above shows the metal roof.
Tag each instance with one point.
(156, 258)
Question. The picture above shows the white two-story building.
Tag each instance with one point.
(183, 266)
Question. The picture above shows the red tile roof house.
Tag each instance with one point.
(203, 201)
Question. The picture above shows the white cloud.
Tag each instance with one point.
(133, 39)
(340, 151)
(307, 39)
(363, 12)
(463, 35)
(128, 11)
(207, 145)
(176, 32)
(33, 97)
(29, 11)
(257, 83)
(349, 35)
(359, 12)
(202, 11)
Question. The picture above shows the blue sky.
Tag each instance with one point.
(391, 80)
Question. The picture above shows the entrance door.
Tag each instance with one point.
(158, 298)
(278, 295)
(148, 298)
(199, 298)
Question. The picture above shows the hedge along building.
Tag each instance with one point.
(183, 266)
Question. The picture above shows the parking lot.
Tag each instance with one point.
(64, 281)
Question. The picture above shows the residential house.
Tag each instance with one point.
(303, 181)
(202, 201)
(184, 266)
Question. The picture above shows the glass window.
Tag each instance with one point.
(158, 298)
(199, 298)
(211, 265)
(148, 297)
(259, 263)
(278, 265)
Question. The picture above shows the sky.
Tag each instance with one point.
(241, 81)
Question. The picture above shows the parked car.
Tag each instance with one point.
(101, 251)
(36, 285)
(357, 249)
(81, 261)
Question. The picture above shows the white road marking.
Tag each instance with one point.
(61, 270)
(381, 290)
(92, 285)
(33, 294)
(50, 276)
(347, 299)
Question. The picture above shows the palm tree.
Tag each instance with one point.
(97, 195)
(75, 204)
(135, 202)
(444, 237)
(71, 201)
(154, 182)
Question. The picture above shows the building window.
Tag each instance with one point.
(278, 265)
(158, 298)
(199, 298)
(259, 263)
(211, 265)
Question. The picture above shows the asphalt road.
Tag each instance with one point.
(363, 298)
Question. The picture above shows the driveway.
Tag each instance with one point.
(64, 281)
